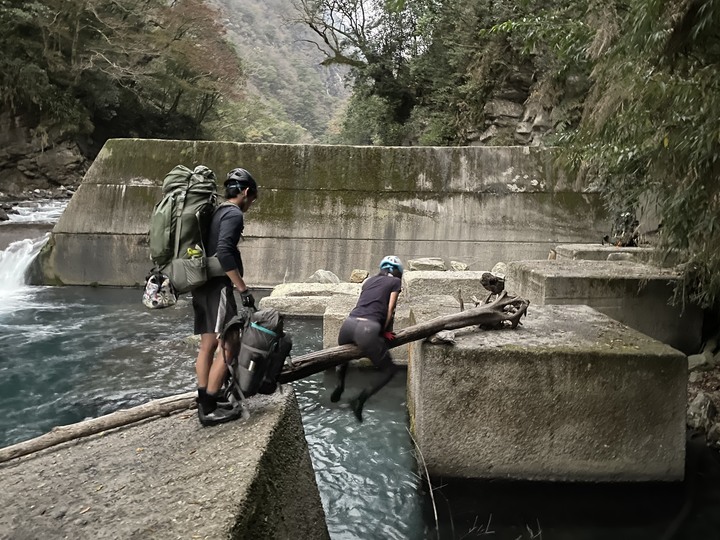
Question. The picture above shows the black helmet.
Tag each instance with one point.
(241, 179)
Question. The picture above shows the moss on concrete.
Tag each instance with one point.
(331, 206)
(325, 167)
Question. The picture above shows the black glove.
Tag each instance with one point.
(247, 299)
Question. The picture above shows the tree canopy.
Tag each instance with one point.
(629, 89)
(650, 132)
(100, 67)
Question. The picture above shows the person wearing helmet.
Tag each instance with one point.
(369, 326)
(214, 302)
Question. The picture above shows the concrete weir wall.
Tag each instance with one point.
(331, 207)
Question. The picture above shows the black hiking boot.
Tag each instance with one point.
(337, 394)
(220, 415)
(357, 405)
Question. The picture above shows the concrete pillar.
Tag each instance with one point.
(172, 478)
(571, 395)
(634, 294)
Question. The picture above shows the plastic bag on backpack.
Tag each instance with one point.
(159, 292)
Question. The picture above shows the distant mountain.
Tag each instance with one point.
(283, 67)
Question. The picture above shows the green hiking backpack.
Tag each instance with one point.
(179, 225)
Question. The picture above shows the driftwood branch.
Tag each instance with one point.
(503, 309)
(61, 434)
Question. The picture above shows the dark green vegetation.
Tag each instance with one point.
(629, 89)
(187, 69)
(100, 69)
(290, 97)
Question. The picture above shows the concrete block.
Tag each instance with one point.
(634, 294)
(307, 299)
(571, 395)
(600, 252)
(339, 307)
(422, 283)
(297, 306)
(317, 289)
(153, 480)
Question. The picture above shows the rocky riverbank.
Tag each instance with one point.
(31, 165)
(10, 203)
(704, 392)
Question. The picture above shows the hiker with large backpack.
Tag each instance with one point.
(213, 302)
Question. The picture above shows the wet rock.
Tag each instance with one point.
(701, 413)
(500, 269)
(323, 276)
(358, 275)
(497, 108)
(701, 362)
(621, 256)
(427, 263)
(713, 435)
(3, 215)
(458, 266)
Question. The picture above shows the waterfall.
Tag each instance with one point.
(15, 261)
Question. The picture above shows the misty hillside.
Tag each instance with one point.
(285, 81)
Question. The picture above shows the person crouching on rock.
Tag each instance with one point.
(369, 326)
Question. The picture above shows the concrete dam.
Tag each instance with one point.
(331, 207)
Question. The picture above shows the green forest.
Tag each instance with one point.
(629, 90)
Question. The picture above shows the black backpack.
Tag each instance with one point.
(256, 348)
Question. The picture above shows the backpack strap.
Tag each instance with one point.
(179, 208)
(263, 329)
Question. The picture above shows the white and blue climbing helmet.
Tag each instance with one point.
(391, 262)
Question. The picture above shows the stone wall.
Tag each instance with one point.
(332, 207)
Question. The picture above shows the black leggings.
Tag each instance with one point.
(366, 335)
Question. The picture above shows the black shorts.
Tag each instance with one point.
(214, 305)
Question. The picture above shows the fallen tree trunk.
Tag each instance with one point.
(61, 434)
(503, 308)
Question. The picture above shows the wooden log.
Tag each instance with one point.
(503, 308)
(61, 434)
